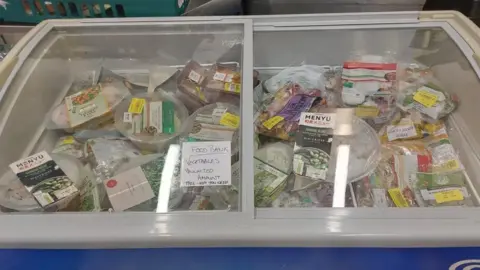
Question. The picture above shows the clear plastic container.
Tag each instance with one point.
(147, 136)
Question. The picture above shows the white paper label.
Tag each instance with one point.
(400, 132)
(127, 117)
(128, 189)
(194, 76)
(206, 164)
(321, 120)
(219, 76)
(380, 197)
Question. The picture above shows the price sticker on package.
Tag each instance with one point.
(230, 120)
(195, 76)
(136, 105)
(448, 196)
(206, 164)
(366, 111)
(219, 76)
(270, 123)
(233, 87)
(425, 98)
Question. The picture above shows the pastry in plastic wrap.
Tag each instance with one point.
(279, 115)
(306, 76)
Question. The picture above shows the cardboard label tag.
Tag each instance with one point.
(128, 189)
(320, 120)
(448, 196)
(136, 105)
(230, 120)
(270, 123)
(42, 177)
(425, 98)
(86, 105)
(206, 164)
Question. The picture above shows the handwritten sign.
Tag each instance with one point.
(206, 164)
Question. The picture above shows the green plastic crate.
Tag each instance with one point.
(34, 11)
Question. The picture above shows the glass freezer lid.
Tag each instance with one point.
(126, 116)
(364, 116)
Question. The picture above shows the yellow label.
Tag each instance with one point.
(136, 105)
(233, 87)
(451, 165)
(448, 196)
(425, 98)
(366, 111)
(270, 123)
(200, 94)
(397, 197)
(230, 120)
(68, 140)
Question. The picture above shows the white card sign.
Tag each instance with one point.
(206, 164)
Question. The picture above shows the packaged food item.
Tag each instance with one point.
(191, 82)
(109, 77)
(88, 108)
(14, 196)
(369, 84)
(225, 79)
(444, 156)
(402, 128)
(306, 76)
(106, 155)
(91, 194)
(69, 146)
(329, 135)
(151, 121)
(444, 189)
(279, 115)
(430, 100)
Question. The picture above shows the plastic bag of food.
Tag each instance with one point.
(191, 81)
(444, 155)
(87, 109)
(279, 115)
(107, 76)
(369, 85)
(306, 76)
(106, 155)
(402, 127)
(429, 100)
(69, 146)
(152, 120)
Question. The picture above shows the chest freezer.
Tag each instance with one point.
(182, 132)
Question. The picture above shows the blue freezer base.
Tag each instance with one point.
(245, 259)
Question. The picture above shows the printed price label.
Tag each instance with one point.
(425, 98)
(194, 76)
(68, 140)
(451, 165)
(233, 87)
(366, 111)
(127, 117)
(206, 164)
(219, 76)
(448, 196)
(136, 105)
(270, 123)
(230, 120)
(397, 197)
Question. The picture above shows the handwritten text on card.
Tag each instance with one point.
(206, 164)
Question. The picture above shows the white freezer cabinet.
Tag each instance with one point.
(148, 125)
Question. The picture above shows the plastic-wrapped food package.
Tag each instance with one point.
(306, 76)
(107, 77)
(15, 197)
(402, 127)
(69, 146)
(107, 154)
(431, 101)
(88, 108)
(444, 155)
(369, 85)
(280, 114)
(444, 189)
(191, 81)
(273, 165)
(324, 137)
(152, 120)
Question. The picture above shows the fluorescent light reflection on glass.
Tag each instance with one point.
(167, 178)
(341, 174)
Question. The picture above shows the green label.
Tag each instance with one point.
(168, 117)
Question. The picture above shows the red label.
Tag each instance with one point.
(111, 183)
(373, 66)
